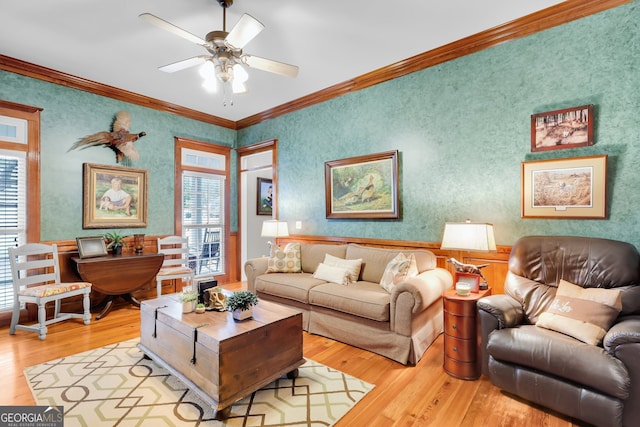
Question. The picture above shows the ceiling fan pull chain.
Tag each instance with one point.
(227, 94)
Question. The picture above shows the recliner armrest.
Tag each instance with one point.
(507, 311)
(496, 312)
(625, 331)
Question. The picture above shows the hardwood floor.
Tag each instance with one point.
(421, 395)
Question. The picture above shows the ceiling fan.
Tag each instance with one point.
(226, 60)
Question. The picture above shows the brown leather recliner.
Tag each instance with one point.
(599, 384)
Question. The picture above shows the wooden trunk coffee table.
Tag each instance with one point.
(220, 359)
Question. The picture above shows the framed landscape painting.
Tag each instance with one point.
(114, 197)
(362, 187)
(565, 188)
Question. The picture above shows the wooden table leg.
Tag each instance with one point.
(107, 307)
(223, 414)
(130, 298)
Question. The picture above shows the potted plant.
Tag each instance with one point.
(200, 308)
(189, 300)
(241, 304)
(115, 241)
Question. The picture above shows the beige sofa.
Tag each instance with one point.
(400, 325)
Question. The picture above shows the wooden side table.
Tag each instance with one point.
(462, 334)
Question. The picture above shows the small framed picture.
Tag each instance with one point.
(472, 279)
(568, 128)
(91, 246)
(265, 197)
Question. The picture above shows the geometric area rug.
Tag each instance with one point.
(116, 386)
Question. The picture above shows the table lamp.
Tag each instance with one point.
(469, 236)
(274, 228)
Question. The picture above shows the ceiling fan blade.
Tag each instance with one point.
(186, 63)
(167, 26)
(244, 31)
(271, 66)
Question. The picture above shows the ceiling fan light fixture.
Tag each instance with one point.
(240, 75)
(224, 74)
(207, 70)
(210, 85)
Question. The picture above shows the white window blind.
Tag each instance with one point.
(13, 179)
(203, 220)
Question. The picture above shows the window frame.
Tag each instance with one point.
(190, 144)
(31, 151)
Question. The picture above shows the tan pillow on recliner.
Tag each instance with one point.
(585, 314)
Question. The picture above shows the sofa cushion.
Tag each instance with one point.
(292, 286)
(561, 356)
(398, 270)
(352, 265)
(285, 260)
(312, 254)
(331, 273)
(585, 314)
(375, 260)
(363, 299)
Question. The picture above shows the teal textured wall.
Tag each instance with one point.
(463, 128)
(70, 114)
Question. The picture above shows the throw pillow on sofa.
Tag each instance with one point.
(352, 265)
(332, 274)
(398, 270)
(585, 314)
(285, 260)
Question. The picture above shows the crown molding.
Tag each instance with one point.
(560, 14)
(63, 79)
(550, 17)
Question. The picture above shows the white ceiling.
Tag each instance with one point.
(331, 41)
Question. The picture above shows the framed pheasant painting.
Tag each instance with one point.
(362, 187)
(114, 197)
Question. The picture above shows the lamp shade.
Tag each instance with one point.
(274, 228)
(468, 236)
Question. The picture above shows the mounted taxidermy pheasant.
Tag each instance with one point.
(120, 140)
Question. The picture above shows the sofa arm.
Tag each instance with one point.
(414, 295)
(253, 268)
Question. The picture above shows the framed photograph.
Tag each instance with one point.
(362, 187)
(568, 128)
(565, 188)
(472, 279)
(91, 246)
(264, 200)
(114, 197)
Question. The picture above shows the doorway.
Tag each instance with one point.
(257, 165)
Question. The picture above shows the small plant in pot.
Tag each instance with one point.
(115, 241)
(241, 304)
(189, 300)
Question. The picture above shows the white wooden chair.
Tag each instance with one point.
(176, 261)
(37, 264)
